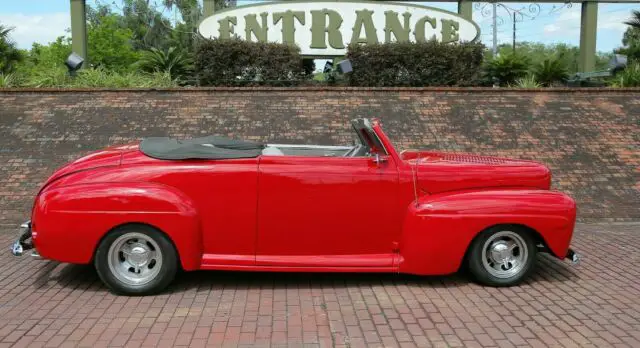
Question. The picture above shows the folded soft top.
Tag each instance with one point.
(210, 147)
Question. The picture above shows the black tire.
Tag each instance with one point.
(160, 277)
(496, 235)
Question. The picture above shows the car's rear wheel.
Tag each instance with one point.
(136, 260)
(502, 256)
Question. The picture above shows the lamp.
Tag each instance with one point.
(345, 66)
(617, 63)
(74, 63)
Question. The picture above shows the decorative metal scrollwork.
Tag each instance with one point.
(526, 12)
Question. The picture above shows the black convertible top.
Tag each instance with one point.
(210, 147)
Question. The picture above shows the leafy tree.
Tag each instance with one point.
(172, 61)
(506, 69)
(631, 38)
(538, 52)
(634, 22)
(110, 45)
(185, 33)
(53, 54)
(10, 55)
(149, 27)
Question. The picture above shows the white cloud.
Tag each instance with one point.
(550, 29)
(41, 28)
(613, 21)
(609, 18)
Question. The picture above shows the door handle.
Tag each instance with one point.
(377, 159)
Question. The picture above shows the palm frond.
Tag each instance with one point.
(635, 19)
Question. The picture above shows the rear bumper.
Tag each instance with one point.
(573, 256)
(24, 241)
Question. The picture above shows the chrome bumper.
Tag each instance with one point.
(573, 256)
(24, 241)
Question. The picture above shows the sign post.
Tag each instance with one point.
(588, 32)
(79, 28)
(208, 7)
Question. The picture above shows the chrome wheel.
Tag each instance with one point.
(134, 258)
(505, 254)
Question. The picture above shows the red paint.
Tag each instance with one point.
(294, 213)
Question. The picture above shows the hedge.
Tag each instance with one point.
(428, 63)
(235, 62)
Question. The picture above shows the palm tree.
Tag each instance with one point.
(172, 61)
(190, 9)
(550, 72)
(9, 54)
(634, 22)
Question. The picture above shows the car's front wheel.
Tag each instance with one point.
(136, 260)
(502, 256)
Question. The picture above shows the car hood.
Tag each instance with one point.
(440, 172)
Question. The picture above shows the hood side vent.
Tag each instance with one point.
(457, 157)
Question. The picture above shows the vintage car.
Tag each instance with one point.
(141, 212)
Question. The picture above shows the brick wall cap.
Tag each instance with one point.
(326, 89)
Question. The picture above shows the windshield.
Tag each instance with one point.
(366, 136)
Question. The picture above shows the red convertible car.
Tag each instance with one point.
(141, 212)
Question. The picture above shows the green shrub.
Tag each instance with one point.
(58, 77)
(111, 79)
(528, 81)
(428, 63)
(550, 72)
(629, 77)
(173, 61)
(10, 55)
(9, 80)
(505, 69)
(236, 62)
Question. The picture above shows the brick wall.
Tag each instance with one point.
(590, 138)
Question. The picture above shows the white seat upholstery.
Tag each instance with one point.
(272, 151)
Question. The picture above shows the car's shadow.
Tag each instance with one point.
(548, 269)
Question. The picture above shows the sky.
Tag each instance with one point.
(43, 21)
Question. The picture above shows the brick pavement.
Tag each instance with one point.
(595, 304)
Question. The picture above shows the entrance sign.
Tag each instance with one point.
(326, 28)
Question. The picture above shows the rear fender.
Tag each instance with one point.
(438, 229)
(71, 220)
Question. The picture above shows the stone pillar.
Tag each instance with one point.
(79, 29)
(208, 7)
(465, 9)
(588, 31)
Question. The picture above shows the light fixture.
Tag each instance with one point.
(74, 63)
(345, 66)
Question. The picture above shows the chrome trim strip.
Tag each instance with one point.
(327, 147)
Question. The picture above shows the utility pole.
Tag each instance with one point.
(514, 33)
(495, 29)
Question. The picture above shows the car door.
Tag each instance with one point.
(327, 212)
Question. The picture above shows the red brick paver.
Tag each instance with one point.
(595, 304)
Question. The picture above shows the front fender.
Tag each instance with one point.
(438, 229)
(70, 221)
